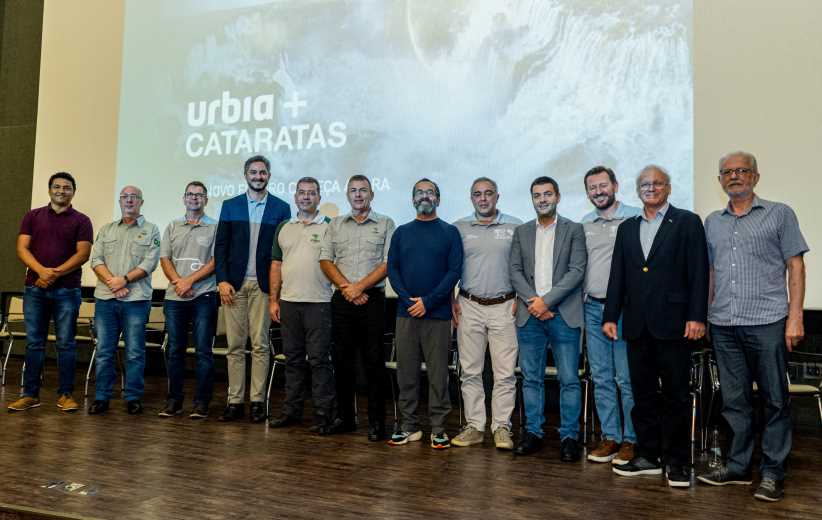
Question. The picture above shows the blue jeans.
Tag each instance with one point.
(609, 369)
(201, 314)
(111, 318)
(745, 355)
(39, 307)
(535, 337)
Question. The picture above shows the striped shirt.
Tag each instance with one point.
(748, 255)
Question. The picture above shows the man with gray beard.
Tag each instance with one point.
(424, 264)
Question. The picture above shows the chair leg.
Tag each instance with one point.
(270, 384)
(693, 425)
(6, 361)
(819, 403)
(394, 402)
(90, 367)
(585, 415)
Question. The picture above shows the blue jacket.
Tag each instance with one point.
(233, 235)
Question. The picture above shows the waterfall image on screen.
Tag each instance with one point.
(403, 89)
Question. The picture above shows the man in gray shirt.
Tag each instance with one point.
(187, 259)
(607, 358)
(353, 256)
(300, 300)
(484, 318)
(756, 319)
(123, 257)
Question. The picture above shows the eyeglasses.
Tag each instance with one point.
(130, 196)
(646, 186)
(190, 195)
(426, 193)
(487, 194)
(727, 172)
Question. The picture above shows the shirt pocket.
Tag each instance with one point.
(340, 246)
(140, 248)
(374, 246)
(109, 246)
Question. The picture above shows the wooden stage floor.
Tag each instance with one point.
(145, 467)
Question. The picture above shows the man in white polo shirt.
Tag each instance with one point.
(484, 317)
(300, 300)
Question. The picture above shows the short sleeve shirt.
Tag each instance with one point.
(297, 246)
(357, 248)
(190, 246)
(486, 250)
(600, 237)
(122, 247)
(54, 238)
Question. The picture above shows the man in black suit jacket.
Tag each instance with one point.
(659, 282)
(242, 256)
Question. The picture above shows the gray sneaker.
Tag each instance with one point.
(468, 436)
(503, 440)
(770, 490)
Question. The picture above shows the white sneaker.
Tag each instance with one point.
(400, 438)
(503, 440)
(468, 436)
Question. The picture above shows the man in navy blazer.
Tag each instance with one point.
(547, 267)
(659, 282)
(242, 255)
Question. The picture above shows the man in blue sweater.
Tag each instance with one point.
(424, 265)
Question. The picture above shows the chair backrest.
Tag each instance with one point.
(16, 306)
(156, 319)
(221, 330)
(86, 311)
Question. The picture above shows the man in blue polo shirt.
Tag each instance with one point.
(424, 265)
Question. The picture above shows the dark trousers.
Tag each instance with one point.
(201, 315)
(418, 340)
(359, 328)
(661, 414)
(744, 355)
(306, 333)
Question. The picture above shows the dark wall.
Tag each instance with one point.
(21, 29)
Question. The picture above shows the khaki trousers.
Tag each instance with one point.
(247, 317)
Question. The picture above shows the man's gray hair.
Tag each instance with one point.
(749, 158)
(484, 179)
(652, 167)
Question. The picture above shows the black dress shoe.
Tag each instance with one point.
(98, 407)
(283, 420)
(232, 412)
(376, 432)
(257, 413)
(529, 444)
(329, 428)
(134, 407)
(569, 450)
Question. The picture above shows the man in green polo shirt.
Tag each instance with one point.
(300, 300)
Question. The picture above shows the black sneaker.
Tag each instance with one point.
(722, 477)
(770, 490)
(171, 409)
(678, 476)
(200, 411)
(328, 428)
(134, 407)
(283, 421)
(638, 466)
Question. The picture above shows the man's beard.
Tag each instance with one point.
(424, 207)
(549, 211)
(609, 201)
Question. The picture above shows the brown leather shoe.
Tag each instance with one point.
(625, 455)
(605, 452)
(67, 403)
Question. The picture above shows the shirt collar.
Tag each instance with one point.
(659, 214)
(475, 221)
(205, 220)
(373, 216)
(252, 201)
(757, 203)
(549, 228)
(67, 211)
(619, 213)
(317, 220)
(140, 220)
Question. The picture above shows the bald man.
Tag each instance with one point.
(123, 257)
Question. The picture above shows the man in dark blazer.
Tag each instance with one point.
(659, 282)
(242, 254)
(548, 259)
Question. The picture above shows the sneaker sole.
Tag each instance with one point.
(624, 473)
(678, 484)
(24, 409)
(68, 410)
(197, 416)
(166, 414)
(414, 437)
(440, 446)
(708, 481)
(506, 447)
(607, 458)
(619, 462)
(465, 444)
(766, 498)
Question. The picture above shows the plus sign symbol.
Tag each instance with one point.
(295, 104)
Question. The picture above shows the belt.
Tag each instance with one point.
(598, 300)
(488, 301)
